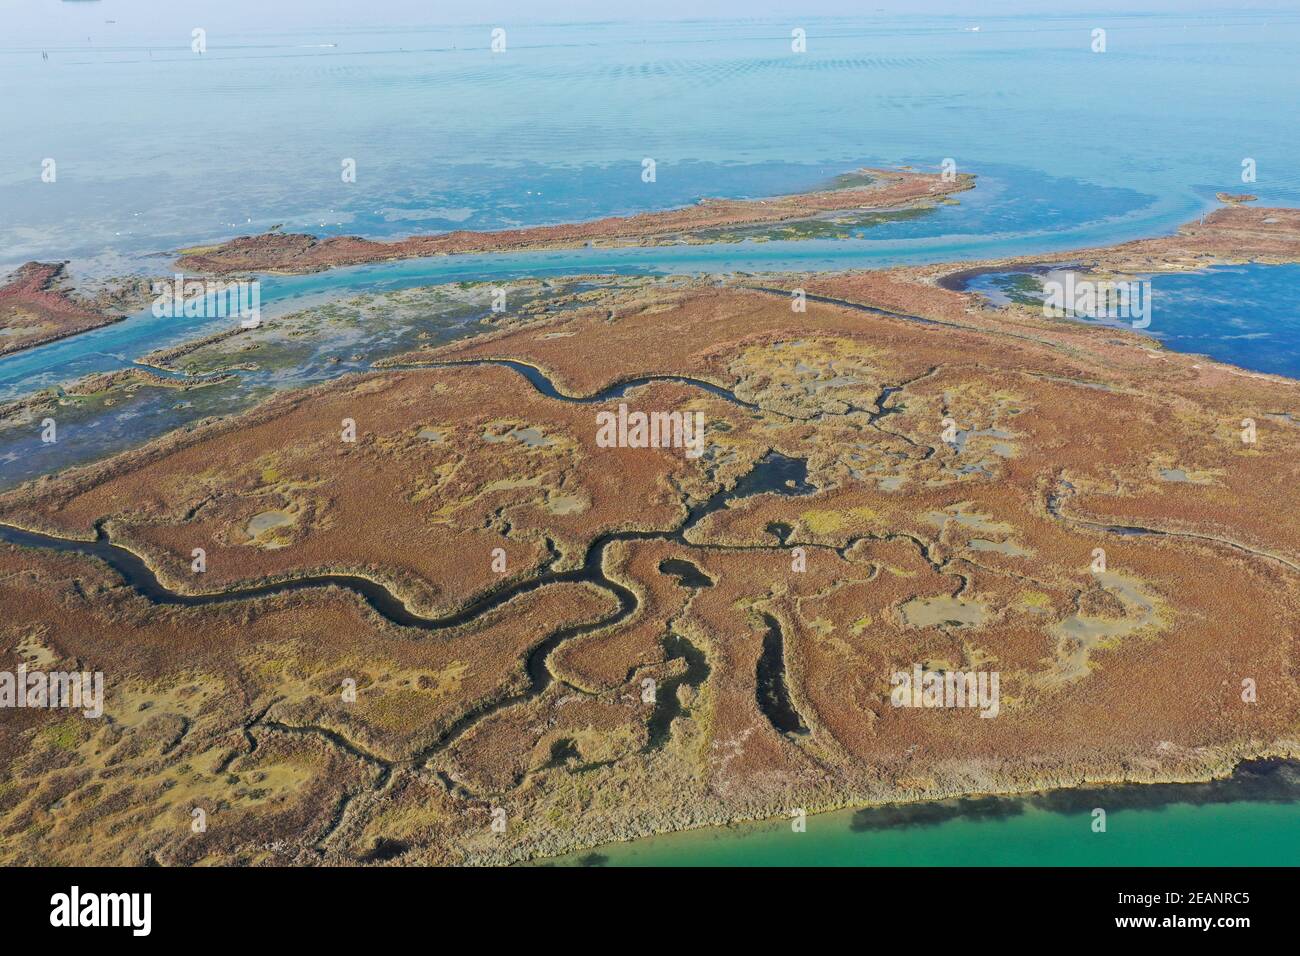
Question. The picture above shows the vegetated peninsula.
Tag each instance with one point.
(440, 621)
(1231, 234)
(867, 189)
(37, 306)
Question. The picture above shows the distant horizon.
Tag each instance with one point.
(66, 19)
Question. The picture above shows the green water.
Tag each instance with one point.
(1252, 819)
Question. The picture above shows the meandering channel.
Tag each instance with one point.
(772, 474)
(538, 379)
(1065, 489)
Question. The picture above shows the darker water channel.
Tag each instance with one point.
(772, 474)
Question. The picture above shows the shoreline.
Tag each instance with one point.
(301, 253)
(953, 276)
(1230, 235)
(42, 292)
(912, 813)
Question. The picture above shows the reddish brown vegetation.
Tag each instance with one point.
(296, 252)
(34, 309)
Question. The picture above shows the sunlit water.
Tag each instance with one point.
(158, 147)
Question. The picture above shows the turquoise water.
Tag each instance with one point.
(1240, 834)
(117, 345)
(1246, 315)
(158, 146)
(1252, 819)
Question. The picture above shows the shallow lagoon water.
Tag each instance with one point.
(1245, 315)
(939, 235)
(448, 135)
(724, 109)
